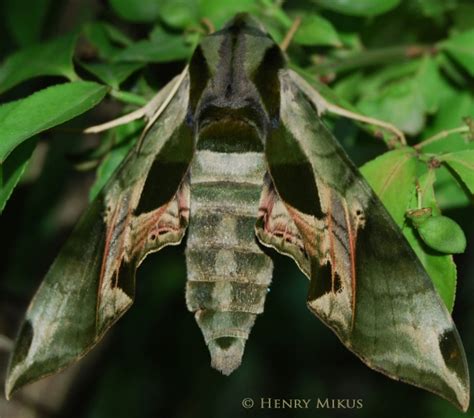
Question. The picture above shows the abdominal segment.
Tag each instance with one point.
(228, 273)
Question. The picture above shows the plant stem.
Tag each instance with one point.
(371, 57)
(441, 135)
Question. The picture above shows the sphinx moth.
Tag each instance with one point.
(238, 158)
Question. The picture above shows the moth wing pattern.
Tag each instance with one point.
(276, 229)
(366, 283)
(91, 283)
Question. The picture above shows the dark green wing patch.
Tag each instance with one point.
(92, 281)
(367, 284)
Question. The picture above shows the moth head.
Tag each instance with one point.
(234, 79)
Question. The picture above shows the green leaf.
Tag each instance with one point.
(116, 35)
(219, 12)
(51, 58)
(99, 35)
(137, 11)
(452, 109)
(440, 267)
(392, 176)
(442, 234)
(461, 48)
(391, 73)
(179, 13)
(122, 137)
(315, 30)
(463, 16)
(402, 94)
(449, 193)
(400, 103)
(25, 19)
(161, 48)
(52, 106)
(462, 162)
(359, 7)
(428, 81)
(129, 98)
(13, 168)
(113, 74)
(349, 87)
(436, 8)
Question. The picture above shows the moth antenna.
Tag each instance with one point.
(290, 34)
(122, 120)
(175, 83)
(149, 111)
(209, 25)
(337, 110)
(323, 106)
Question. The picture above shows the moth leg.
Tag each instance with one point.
(323, 106)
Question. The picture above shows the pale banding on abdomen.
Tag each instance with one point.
(228, 273)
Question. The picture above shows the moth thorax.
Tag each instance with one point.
(229, 135)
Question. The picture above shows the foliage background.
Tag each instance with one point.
(69, 64)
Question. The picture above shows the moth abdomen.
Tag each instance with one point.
(228, 273)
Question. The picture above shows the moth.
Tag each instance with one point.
(238, 158)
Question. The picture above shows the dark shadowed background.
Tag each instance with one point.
(154, 362)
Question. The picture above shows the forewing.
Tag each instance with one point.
(144, 207)
(367, 284)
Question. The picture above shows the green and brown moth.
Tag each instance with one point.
(236, 155)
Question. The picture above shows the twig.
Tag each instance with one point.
(441, 135)
(371, 57)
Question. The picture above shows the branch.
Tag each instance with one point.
(371, 57)
(441, 135)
